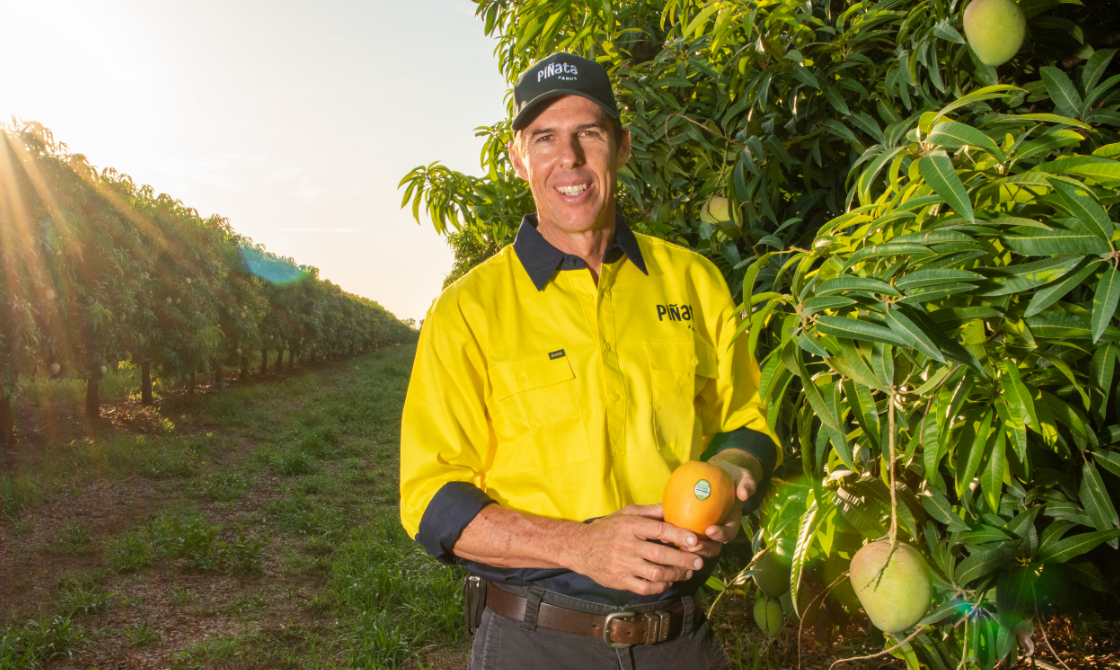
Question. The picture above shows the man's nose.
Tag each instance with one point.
(572, 153)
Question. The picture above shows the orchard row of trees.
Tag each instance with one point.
(926, 250)
(95, 269)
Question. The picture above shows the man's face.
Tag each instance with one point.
(570, 161)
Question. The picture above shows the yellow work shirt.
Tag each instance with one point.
(574, 399)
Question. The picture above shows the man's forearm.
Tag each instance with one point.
(507, 538)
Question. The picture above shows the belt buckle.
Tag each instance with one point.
(657, 626)
(627, 614)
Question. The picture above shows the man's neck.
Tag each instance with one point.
(589, 245)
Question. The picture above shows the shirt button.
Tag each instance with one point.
(695, 361)
(522, 378)
(607, 347)
(617, 397)
(571, 261)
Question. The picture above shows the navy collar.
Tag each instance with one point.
(540, 259)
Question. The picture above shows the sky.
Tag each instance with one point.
(295, 120)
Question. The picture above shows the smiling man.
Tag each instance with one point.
(556, 387)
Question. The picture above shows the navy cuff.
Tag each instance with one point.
(757, 444)
(451, 510)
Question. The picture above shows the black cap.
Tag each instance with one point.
(561, 74)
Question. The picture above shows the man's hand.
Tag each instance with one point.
(746, 473)
(615, 551)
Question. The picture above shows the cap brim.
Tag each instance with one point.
(528, 111)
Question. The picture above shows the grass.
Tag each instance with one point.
(368, 595)
(37, 641)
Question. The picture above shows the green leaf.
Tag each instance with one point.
(864, 408)
(1101, 369)
(1062, 91)
(696, 23)
(982, 562)
(1015, 599)
(752, 274)
(1086, 210)
(953, 135)
(923, 278)
(1049, 295)
(890, 249)
(1108, 459)
(939, 173)
(1058, 325)
(1024, 277)
(806, 530)
(819, 304)
(991, 481)
(1072, 547)
(1095, 498)
(854, 329)
(1015, 392)
(1095, 68)
(852, 365)
(813, 394)
(974, 456)
(1056, 242)
(909, 332)
(1104, 170)
(939, 508)
(1105, 300)
(848, 283)
(931, 293)
(866, 505)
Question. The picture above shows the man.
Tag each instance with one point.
(556, 386)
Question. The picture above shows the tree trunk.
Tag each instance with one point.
(93, 397)
(264, 362)
(146, 383)
(190, 383)
(244, 368)
(291, 359)
(7, 426)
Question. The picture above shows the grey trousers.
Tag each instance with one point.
(506, 644)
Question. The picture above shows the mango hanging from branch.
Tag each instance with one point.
(995, 30)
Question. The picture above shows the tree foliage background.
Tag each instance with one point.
(925, 247)
(95, 269)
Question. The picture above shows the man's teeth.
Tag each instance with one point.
(572, 190)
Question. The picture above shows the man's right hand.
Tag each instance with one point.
(615, 551)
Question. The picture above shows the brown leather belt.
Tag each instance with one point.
(617, 629)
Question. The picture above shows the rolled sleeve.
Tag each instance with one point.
(451, 510)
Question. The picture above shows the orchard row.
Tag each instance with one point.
(95, 269)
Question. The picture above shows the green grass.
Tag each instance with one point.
(131, 551)
(327, 444)
(31, 645)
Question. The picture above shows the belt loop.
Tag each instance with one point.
(532, 608)
(690, 609)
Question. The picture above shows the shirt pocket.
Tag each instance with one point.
(537, 416)
(678, 372)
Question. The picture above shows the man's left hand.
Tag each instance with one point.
(746, 473)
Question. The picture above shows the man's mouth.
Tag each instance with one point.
(572, 190)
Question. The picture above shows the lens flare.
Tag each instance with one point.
(270, 268)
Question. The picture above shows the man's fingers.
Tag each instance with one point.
(646, 511)
(668, 556)
(667, 532)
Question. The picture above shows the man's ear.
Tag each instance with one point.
(515, 157)
(623, 149)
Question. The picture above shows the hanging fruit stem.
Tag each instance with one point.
(894, 493)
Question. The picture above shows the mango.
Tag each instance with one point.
(995, 30)
(895, 597)
(772, 574)
(715, 210)
(768, 616)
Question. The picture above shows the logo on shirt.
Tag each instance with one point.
(566, 71)
(553, 355)
(674, 312)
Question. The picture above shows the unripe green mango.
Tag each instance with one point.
(772, 574)
(768, 616)
(898, 598)
(995, 30)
